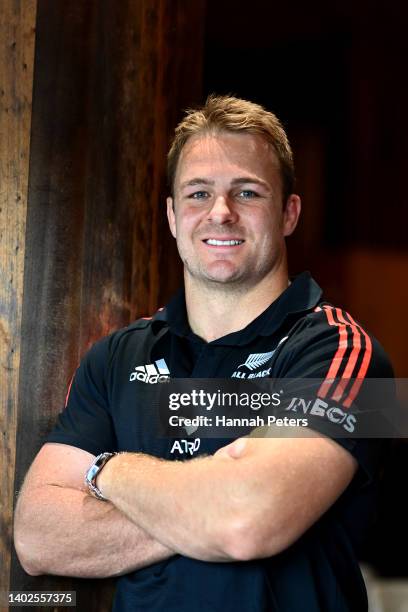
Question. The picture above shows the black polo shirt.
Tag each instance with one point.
(110, 407)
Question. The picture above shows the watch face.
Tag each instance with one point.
(97, 465)
(92, 472)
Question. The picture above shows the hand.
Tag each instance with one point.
(234, 450)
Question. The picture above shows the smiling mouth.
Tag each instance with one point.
(214, 242)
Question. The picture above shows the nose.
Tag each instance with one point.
(222, 211)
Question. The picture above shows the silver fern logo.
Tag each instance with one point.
(256, 360)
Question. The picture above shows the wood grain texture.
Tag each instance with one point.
(174, 31)
(104, 105)
(17, 36)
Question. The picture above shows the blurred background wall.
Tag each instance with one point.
(90, 92)
(333, 72)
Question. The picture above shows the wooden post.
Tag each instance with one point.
(17, 35)
(110, 80)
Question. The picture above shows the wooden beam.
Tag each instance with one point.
(17, 37)
(108, 84)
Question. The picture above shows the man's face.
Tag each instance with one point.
(228, 217)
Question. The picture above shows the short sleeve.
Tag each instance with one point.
(341, 380)
(85, 421)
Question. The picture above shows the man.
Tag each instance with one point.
(254, 524)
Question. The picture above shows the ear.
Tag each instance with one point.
(291, 214)
(171, 216)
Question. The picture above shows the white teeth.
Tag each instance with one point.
(214, 242)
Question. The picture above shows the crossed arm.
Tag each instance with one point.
(252, 499)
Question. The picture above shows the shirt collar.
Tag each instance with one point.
(302, 295)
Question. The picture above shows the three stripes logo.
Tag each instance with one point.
(151, 373)
(350, 363)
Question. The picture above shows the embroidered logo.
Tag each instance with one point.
(151, 373)
(255, 361)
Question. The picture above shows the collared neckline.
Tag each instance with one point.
(302, 295)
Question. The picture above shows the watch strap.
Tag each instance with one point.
(90, 477)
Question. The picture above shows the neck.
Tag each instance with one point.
(215, 310)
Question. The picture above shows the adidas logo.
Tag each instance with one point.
(151, 373)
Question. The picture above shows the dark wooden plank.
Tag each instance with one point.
(17, 35)
(103, 108)
(181, 88)
(54, 235)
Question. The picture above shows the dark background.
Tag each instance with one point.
(335, 74)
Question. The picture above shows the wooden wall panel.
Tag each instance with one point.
(375, 288)
(17, 35)
(109, 81)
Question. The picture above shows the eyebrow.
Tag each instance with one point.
(249, 179)
(196, 181)
(237, 181)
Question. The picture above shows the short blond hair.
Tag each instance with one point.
(230, 114)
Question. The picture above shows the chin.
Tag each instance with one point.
(221, 281)
(224, 279)
(214, 278)
(222, 275)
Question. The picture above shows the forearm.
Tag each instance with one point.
(66, 532)
(191, 506)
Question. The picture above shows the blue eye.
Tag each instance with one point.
(247, 194)
(199, 195)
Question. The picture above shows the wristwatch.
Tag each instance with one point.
(92, 473)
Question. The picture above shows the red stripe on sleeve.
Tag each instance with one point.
(338, 357)
(69, 390)
(346, 321)
(352, 360)
(363, 367)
